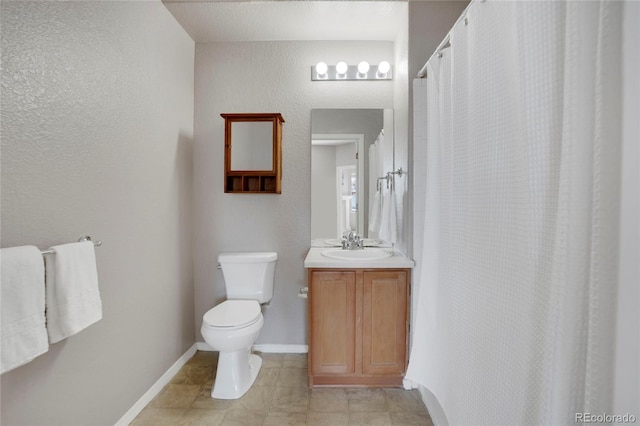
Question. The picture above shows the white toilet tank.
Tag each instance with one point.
(249, 275)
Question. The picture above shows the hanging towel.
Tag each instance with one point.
(374, 214)
(24, 335)
(388, 220)
(73, 298)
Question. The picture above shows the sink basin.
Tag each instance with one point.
(366, 254)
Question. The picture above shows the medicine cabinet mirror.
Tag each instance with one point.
(252, 155)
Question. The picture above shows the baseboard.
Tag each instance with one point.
(156, 387)
(281, 349)
(266, 348)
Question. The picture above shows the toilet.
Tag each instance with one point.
(233, 326)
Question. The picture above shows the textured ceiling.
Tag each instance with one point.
(209, 21)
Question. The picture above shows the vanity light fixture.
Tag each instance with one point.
(321, 70)
(363, 69)
(341, 71)
(384, 67)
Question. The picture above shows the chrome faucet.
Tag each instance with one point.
(352, 241)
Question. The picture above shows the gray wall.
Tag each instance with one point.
(401, 141)
(267, 77)
(348, 121)
(97, 123)
(323, 187)
(429, 23)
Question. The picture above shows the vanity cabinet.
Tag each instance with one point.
(358, 326)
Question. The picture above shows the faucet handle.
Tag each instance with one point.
(351, 240)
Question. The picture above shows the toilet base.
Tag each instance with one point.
(236, 373)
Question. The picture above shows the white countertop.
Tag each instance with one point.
(315, 259)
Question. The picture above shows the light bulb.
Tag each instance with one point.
(384, 67)
(363, 67)
(341, 68)
(321, 68)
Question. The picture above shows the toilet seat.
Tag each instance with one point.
(233, 314)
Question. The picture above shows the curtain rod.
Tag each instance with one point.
(443, 45)
(446, 41)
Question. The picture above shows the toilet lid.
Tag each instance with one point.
(233, 313)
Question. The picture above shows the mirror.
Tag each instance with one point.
(350, 150)
(252, 155)
(252, 147)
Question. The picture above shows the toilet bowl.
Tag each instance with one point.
(233, 326)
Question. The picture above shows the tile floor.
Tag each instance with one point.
(279, 397)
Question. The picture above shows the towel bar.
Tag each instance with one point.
(389, 177)
(81, 239)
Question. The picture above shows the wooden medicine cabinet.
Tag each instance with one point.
(252, 153)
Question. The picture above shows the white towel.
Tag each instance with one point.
(388, 220)
(24, 335)
(73, 298)
(375, 213)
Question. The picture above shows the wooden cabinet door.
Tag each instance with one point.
(384, 322)
(332, 312)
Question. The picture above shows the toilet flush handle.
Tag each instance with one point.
(304, 293)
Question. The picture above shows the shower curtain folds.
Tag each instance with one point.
(515, 296)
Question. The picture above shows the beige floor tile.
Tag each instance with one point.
(194, 374)
(204, 358)
(271, 360)
(328, 419)
(280, 396)
(295, 361)
(275, 418)
(366, 400)
(151, 416)
(369, 419)
(176, 396)
(203, 417)
(295, 399)
(244, 418)
(258, 398)
(410, 419)
(402, 400)
(328, 400)
(268, 377)
(204, 401)
(291, 377)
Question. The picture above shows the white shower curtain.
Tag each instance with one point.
(514, 314)
(375, 194)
